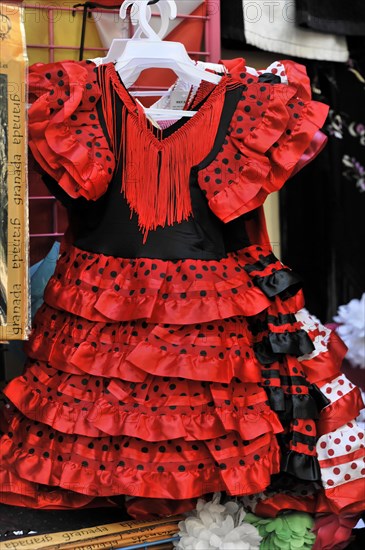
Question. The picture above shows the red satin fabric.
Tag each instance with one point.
(333, 532)
(143, 376)
(274, 133)
(64, 98)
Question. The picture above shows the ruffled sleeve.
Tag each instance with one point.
(274, 132)
(65, 135)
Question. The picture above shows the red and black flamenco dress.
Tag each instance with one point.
(171, 357)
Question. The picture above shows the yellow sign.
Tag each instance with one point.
(114, 535)
(14, 238)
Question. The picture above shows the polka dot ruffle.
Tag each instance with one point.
(65, 134)
(104, 288)
(270, 130)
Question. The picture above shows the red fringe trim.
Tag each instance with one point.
(156, 172)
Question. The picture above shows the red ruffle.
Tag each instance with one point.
(347, 498)
(340, 412)
(326, 365)
(113, 411)
(171, 481)
(272, 128)
(151, 359)
(276, 504)
(105, 288)
(16, 491)
(65, 135)
(343, 499)
(216, 351)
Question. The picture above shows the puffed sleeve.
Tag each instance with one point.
(274, 132)
(65, 134)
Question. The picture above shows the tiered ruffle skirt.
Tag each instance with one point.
(175, 379)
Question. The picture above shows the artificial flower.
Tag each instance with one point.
(351, 318)
(290, 531)
(215, 526)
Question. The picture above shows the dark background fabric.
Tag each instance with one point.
(322, 207)
(332, 16)
(232, 24)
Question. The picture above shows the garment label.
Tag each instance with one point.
(178, 99)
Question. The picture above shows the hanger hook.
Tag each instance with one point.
(141, 14)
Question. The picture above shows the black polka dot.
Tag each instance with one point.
(181, 468)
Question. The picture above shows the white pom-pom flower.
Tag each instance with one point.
(352, 330)
(215, 526)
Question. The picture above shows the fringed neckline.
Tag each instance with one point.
(136, 110)
(156, 172)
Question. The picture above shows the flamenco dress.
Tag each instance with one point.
(172, 357)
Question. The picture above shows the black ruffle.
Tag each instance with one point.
(292, 406)
(262, 263)
(257, 324)
(269, 78)
(293, 343)
(321, 400)
(276, 398)
(301, 466)
(304, 406)
(283, 283)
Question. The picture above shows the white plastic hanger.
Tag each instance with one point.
(118, 44)
(132, 56)
(152, 52)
